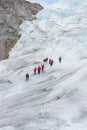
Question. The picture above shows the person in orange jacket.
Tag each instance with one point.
(42, 67)
(35, 70)
(39, 69)
(60, 59)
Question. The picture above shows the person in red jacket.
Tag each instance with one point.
(51, 62)
(60, 59)
(35, 70)
(46, 58)
(42, 67)
(39, 69)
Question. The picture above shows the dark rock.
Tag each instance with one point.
(12, 14)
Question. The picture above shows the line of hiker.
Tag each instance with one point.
(41, 68)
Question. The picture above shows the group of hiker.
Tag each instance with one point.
(50, 61)
(41, 68)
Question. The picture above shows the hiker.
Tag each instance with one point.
(42, 67)
(39, 69)
(51, 62)
(35, 70)
(27, 77)
(60, 59)
(45, 60)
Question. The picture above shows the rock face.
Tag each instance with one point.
(12, 14)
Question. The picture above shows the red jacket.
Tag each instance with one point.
(39, 68)
(42, 66)
(35, 70)
(46, 59)
(49, 61)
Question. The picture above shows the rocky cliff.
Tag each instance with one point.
(12, 14)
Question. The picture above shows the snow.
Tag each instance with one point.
(57, 98)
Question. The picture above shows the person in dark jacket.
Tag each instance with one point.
(27, 77)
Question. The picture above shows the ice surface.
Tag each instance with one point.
(57, 98)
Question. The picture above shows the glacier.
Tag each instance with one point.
(57, 98)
